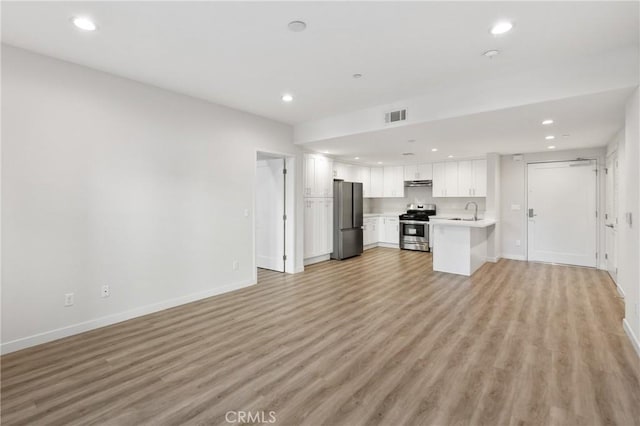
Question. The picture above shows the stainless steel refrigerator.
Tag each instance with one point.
(347, 219)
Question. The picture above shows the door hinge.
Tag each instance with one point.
(284, 257)
(596, 255)
(606, 256)
(284, 171)
(284, 217)
(606, 171)
(596, 213)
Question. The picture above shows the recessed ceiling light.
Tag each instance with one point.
(450, 156)
(379, 162)
(326, 152)
(501, 27)
(357, 75)
(434, 149)
(297, 26)
(491, 53)
(411, 140)
(551, 147)
(547, 122)
(550, 137)
(356, 158)
(84, 24)
(287, 97)
(566, 135)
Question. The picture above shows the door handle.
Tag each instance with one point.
(609, 225)
(531, 213)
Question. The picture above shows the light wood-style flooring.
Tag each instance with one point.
(378, 339)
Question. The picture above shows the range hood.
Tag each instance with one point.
(412, 183)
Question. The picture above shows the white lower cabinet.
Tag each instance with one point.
(318, 227)
(390, 232)
(370, 231)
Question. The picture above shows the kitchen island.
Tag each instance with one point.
(459, 246)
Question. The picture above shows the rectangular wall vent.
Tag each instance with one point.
(395, 116)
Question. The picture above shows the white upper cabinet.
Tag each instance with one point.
(364, 176)
(346, 172)
(393, 181)
(377, 182)
(318, 180)
(418, 172)
(479, 178)
(460, 179)
(465, 178)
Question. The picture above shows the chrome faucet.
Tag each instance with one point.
(475, 212)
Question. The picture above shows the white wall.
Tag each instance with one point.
(109, 181)
(422, 195)
(514, 191)
(628, 151)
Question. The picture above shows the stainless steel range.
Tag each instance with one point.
(414, 227)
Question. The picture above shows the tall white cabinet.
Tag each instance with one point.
(318, 206)
(393, 178)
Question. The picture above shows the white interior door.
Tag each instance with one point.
(562, 223)
(611, 216)
(269, 214)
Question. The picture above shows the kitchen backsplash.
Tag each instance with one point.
(422, 195)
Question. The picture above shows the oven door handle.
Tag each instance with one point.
(414, 222)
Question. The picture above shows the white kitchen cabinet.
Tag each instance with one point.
(418, 172)
(445, 179)
(345, 172)
(479, 178)
(439, 177)
(318, 227)
(318, 180)
(377, 182)
(390, 230)
(370, 231)
(393, 182)
(466, 178)
(364, 176)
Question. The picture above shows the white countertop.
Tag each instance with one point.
(481, 223)
(387, 214)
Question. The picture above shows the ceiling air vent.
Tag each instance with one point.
(395, 116)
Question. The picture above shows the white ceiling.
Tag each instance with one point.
(242, 55)
(590, 120)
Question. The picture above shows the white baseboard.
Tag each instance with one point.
(59, 333)
(634, 340)
(317, 259)
(514, 256)
(620, 291)
(492, 259)
(370, 246)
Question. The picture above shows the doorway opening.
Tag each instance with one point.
(274, 212)
(562, 212)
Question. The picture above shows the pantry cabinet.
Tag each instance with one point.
(370, 231)
(318, 180)
(318, 227)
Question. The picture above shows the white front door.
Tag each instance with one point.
(562, 222)
(269, 214)
(611, 215)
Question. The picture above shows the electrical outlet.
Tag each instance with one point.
(518, 243)
(106, 291)
(236, 265)
(68, 299)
